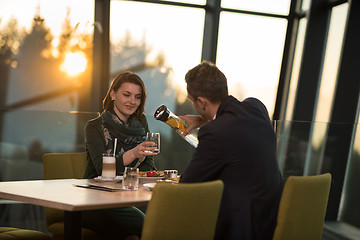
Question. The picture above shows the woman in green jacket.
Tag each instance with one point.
(123, 118)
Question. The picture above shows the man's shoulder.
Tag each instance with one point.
(254, 103)
(232, 104)
(237, 113)
(252, 100)
(223, 123)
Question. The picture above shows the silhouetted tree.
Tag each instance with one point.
(10, 39)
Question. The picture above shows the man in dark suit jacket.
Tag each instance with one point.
(237, 144)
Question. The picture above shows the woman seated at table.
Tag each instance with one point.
(123, 118)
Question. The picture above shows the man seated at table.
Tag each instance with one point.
(237, 144)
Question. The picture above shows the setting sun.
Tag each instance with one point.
(74, 63)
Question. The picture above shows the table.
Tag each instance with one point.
(62, 194)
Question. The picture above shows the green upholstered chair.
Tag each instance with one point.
(183, 211)
(62, 166)
(302, 207)
(10, 233)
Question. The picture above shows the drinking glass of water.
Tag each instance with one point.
(154, 137)
(131, 178)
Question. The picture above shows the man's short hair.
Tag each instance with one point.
(206, 80)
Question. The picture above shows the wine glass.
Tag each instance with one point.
(154, 137)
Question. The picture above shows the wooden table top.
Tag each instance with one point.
(62, 194)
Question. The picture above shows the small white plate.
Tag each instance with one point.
(101, 179)
(149, 185)
(149, 179)
(154, 178)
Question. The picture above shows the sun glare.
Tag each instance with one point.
(74, 63)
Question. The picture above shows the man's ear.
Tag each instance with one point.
(202, 102)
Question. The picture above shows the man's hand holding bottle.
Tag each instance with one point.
(193, 122)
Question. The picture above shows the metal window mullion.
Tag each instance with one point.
(287, 61)
(312, 61)
(101, 54)
(211, 30)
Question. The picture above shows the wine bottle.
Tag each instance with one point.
(164, 114)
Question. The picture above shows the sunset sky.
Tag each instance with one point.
(249, 56)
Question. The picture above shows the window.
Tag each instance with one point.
(270, 6)
(327, 88)
(250, 55)
(160, 45)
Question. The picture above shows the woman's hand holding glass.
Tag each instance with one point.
(142, 150)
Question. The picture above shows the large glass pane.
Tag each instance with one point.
(292, 161)
(25, 136)
(28, 134)
(349, 211)
(250, 55)
(327, 86)
(291, 147)
(46, 52)
(270, 6)
(161, 45)
(45, 71)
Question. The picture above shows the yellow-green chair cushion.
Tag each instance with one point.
(183, 211)
(302, 207)
(10, 233)
(57, 230)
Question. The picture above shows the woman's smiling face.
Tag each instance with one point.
(126, 100)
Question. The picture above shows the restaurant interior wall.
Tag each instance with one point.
(278, 51)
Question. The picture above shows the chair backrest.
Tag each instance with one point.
(183, 211)
(61, 166)
(302, 207)
(64, 165)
